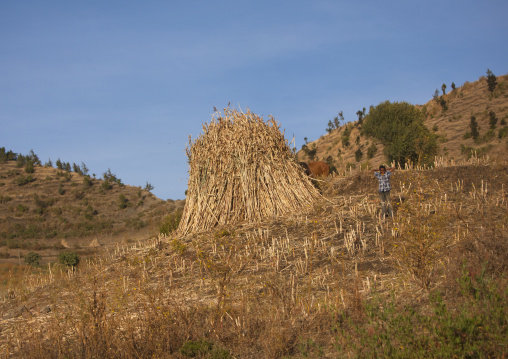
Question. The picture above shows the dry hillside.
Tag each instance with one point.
(50, 210)
(332, 280)
(451, 124)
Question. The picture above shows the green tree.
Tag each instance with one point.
(436, 95)
(491, 80)
(76, 169)
(331, 164)
(84, 169)
(358, 154)
(330, 127)
(361, 115)
(339, 119)
(453, 86)
(312, 152)
(32, 157)
(443, 88)
(148, 187)
(400, 127)
(69, 259)
(473, 125)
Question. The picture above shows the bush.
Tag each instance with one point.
(22, 180)
(491, 80)
(473, 125)
(32, 259)
(371, 151)
(358, 155)
(106, 185)
(69, 259)
(503, 132)
(4, 199)
(122, 202)
(29, 168)
(400, 127)
(492, 120)
(170, 222)
(87, 182)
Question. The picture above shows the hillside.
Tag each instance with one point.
(449, 121)
(331, 281)
(46, 210)
(328, 280)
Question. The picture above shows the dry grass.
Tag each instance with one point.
(252, 174)
(60, 206)
(301, 285)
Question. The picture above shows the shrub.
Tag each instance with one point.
(4, 199)
(492, 119)
(329, 161)
(358, 155)
(503, 132)
(371, 151)
(444, 104)
(106, 185)
(69, 259)
(170, 222)
(473, 125)
(351, 166)
(87, 182)
(22, 180)
(32, 259)
(195, 348)
(312, 152)
(123, 202)
(400, 127)
(29, 168)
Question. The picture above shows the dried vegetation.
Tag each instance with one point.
(252, 174)
(328, 280)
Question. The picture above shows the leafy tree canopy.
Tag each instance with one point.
(400, 127)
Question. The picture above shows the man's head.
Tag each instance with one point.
(382, 169)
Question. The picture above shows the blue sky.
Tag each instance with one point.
(122, 84)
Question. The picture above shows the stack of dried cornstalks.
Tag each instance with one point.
(242, 169)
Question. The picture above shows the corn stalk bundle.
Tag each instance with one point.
(242, 169)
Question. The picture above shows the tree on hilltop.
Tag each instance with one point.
(491, 80)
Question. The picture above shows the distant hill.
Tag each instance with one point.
(448, 116)
(49, 210)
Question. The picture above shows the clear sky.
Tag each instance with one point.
(122, 84)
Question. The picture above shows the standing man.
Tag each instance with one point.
(383, 177)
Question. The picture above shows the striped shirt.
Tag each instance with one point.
(384, 181)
